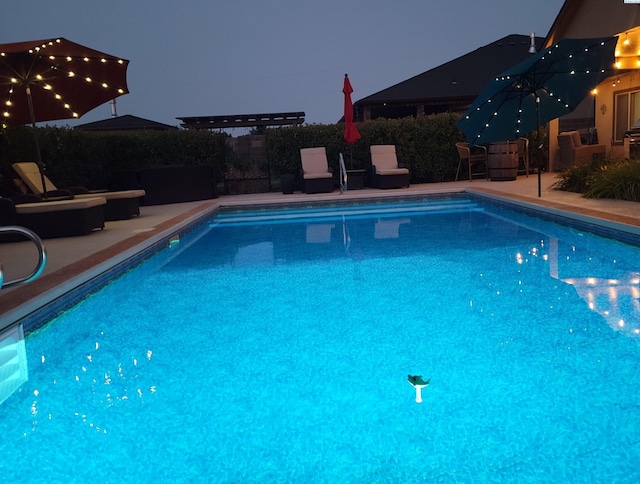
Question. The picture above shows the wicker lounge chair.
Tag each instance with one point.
(385, 170)
(316, 175)
(120, 205)
(50, 219)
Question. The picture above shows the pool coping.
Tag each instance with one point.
(55, 292)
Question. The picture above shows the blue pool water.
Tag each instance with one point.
(274, 346)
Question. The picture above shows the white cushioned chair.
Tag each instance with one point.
(385, 170)
(316, 174)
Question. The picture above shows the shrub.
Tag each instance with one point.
(618, 180)
(579, 178)
(74, 157)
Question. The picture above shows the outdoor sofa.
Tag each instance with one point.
(169, 183)
(572, 152)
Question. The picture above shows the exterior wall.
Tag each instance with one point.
(605, 111)
(583, 19)
(589, 19)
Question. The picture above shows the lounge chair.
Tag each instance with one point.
(120, 205)
(50, 219)
(316, 175)
(385, 170)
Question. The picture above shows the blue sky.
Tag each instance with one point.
(214, 57)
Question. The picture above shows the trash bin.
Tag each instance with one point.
(287, 183)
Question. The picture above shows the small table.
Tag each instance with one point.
(355, 179)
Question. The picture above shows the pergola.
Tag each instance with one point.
(258, 121)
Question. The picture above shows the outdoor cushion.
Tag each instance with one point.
(47, 207)
(314, 163)
(383, 157)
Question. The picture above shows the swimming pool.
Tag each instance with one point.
(274, 346)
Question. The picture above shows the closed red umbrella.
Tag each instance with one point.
(351, 134)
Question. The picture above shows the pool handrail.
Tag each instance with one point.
(42, 256)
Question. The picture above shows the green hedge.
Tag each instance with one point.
(425, 145)
(74, 157)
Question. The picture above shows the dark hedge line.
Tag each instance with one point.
(425, 145)
(77, 158)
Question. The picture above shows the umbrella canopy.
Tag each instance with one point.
(546, 86)
(351, 134)
(45, 80)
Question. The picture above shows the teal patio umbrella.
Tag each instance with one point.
(546, 86)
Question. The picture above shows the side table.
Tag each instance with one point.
(355, 179)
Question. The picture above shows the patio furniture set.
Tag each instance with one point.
(52, 212)
(316, 175)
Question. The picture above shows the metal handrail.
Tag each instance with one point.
(42, 255)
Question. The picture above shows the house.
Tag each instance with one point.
(615, 106)
(451, 87)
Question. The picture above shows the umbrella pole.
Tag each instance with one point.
(539, 147)
(35, 135)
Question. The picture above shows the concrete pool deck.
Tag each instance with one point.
(72, 261)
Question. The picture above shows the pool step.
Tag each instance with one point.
(349, 211)
(13, 361)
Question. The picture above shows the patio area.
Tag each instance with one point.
(73, 261)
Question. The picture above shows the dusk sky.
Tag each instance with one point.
(214, 57)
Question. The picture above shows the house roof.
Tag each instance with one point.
(463, 77)
(124, 123)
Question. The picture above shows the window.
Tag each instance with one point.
(627, 106)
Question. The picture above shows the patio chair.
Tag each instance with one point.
(572, 152)
(472, 158)
(316, 174)
(51, 219)
(523, 155)
(386, 172)
(120, 205)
